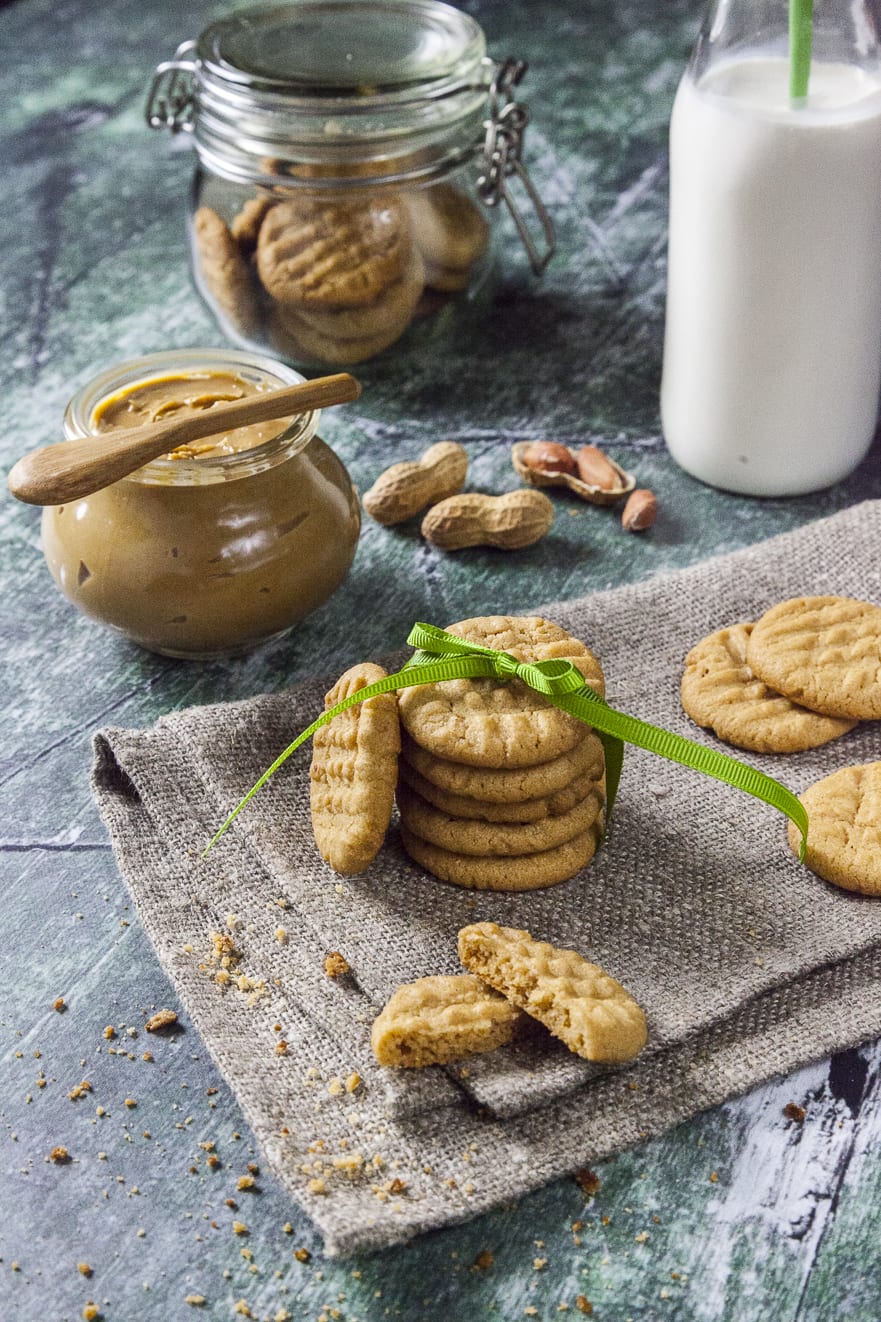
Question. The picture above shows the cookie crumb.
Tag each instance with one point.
(288, 1228)
(195, 1300)
(588, 1181)
(539, 1264)
(483, 1261)
(714, 1178)
(583, 1304)
(58, 1004)
(281, 935)
(302, 1255)
(129, 1102)
(241, 1307)
(84, 1269)
(317, 1186)
(239, 1228)
(59, 1155)
(353, 1082)
(794, 1112)
(245, 1182)
(281, 1048)
(91, 1312)
(109, 1032)
(336, 965)
(161, 1019)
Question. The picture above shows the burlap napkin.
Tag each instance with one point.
(746, 963)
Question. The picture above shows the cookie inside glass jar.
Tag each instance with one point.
(347, 182)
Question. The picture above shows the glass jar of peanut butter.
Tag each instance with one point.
(219, 546)
(351, 158)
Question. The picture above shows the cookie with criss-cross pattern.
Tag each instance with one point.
(353, 773)
(222, 271)
(484, 723)
(720, 691)
(844, 828)
(822, 652)
(577, 1001)
(333, 253)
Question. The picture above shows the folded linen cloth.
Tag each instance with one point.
(746, 963)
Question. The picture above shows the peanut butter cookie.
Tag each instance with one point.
(530, 810)
(245, 226)
(351, 335)
(483, 839)
(576, 1000)
(526, 872)
(353, 773)
(720, 691)
(314, 253)
(452, 233)
(222, 271)
(844, 832)
(822, 652)
(486, 784)
(435, 1020)
(484, 723)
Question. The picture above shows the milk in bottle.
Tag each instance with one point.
(772, 353)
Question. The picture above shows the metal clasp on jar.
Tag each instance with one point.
(170, 99)
(503, 149)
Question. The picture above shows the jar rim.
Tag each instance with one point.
(366, 50)
(79, 416)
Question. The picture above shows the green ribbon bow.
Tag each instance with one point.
(441, 655)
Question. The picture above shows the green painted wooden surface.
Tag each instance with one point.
(91, 248)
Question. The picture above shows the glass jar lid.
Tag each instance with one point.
(330, 90)
(340, 48)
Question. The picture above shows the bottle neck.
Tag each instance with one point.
(843, 32)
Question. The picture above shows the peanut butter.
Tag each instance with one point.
(225, 543)
(179, 396)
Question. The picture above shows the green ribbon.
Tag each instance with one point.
(440, 656)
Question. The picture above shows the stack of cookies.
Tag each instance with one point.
(498, 789)
(336, 277)
(344, 276)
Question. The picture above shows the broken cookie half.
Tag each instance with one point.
(440, 1019)
(435, 1020)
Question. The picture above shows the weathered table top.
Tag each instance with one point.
(740, 1214)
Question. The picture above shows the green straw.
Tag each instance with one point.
(801, 31)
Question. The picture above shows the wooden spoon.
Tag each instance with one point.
(67, 470)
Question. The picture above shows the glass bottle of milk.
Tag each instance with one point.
(772, 353)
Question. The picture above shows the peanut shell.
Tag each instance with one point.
(519, 518)
(585, 491)
(406, 488)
